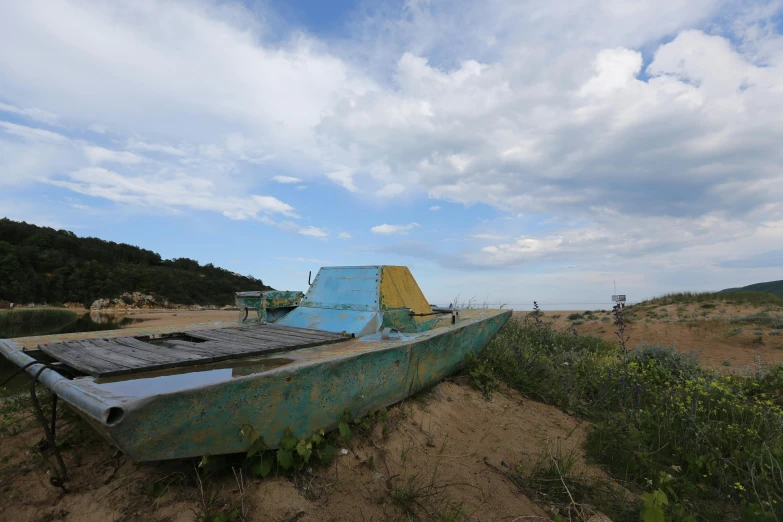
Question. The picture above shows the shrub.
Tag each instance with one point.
(574, 317)
(760, 318)
(713, 442)
(676, 364)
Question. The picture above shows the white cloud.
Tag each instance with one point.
(344, 235)
(286, 179)
(134, 68)
(135, 144)
(303, 260)
(179, 191)
(312, 231)
(488, 236)
(33, 114)
(434, 208)
(98, 155)
(390, 190)
(32, 134)
(601, 242)
(393, 229)
(344, 178)
(271, 205)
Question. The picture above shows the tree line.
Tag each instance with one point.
(41, 264)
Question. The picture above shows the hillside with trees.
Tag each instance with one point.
(770, 287)
(43, 265)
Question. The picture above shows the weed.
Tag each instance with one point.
(726, 362)
(708, 305)
(575, 317)
(555, 316)
(735, 331)
(775, 333)
(577, 322)
(568, 492)
(480, 375)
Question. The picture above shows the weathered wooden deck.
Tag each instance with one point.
(125, 355)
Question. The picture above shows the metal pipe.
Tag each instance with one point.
(95, 406)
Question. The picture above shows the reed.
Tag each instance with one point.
(44, 316)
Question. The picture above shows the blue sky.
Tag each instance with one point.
(505, 151)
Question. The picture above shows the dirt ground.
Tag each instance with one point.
(179, 317)
(446, 453)
(722, 334)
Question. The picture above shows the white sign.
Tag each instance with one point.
(618, 298)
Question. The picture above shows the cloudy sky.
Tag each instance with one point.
(505, 150)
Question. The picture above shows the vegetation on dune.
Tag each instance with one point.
(734, 297)
(770, 287)
(695, 444)
(43, 265)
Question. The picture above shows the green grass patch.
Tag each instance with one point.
(752, 298)
(574, 317)
(711, 444)
(36, 316)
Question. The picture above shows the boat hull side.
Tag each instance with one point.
(306, 397)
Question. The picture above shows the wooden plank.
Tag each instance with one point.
(206, 350)
(162, 362)
(277, 336)
(299, 332)
(123, 355)
(118, 358)
(237, 338)
(311, 331)
(147, 355)
(77, 358)
(206, 335)
(154, 348)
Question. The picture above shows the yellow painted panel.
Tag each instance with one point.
(399, 290)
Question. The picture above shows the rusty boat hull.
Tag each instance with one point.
(209, 409)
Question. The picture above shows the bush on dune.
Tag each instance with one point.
(712, 443)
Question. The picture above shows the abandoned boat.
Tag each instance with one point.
(361, 338)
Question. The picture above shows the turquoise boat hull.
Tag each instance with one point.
(211, 410)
